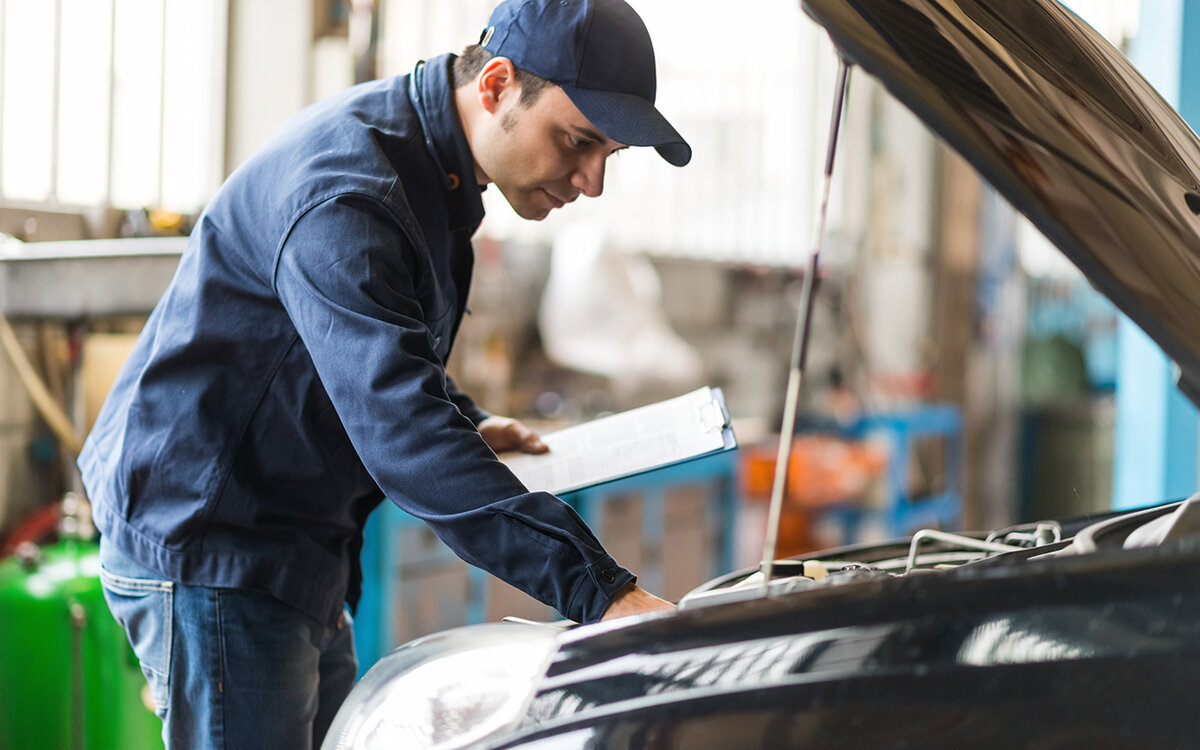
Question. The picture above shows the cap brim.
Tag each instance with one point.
(631, 120)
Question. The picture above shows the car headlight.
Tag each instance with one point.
(446, 690)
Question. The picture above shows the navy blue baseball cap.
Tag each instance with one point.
(600, 54)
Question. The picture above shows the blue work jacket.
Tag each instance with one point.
(292, 375)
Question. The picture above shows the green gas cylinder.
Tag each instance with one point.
(68, 678)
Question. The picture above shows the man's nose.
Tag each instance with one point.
(588, 178)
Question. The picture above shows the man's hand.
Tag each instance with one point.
(506, 434)
(634, 600)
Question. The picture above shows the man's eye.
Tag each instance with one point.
(579, 142)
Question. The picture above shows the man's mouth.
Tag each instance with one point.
(558, 202)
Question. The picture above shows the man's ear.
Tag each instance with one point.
(497, 81)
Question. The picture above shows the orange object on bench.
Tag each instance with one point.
(823, 471)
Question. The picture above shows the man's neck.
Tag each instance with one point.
(466, 106)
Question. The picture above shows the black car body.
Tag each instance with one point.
(1071, 635)
(1067, 640)
(1084, 651)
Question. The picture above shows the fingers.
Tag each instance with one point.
(527, 440)
(505, 434)
(531, 442)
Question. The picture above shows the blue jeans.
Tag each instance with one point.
(230, 668)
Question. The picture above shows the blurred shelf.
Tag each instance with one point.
(86, 278)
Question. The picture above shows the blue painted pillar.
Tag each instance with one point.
(1157, 429)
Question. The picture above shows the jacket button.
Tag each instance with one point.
(608, 575)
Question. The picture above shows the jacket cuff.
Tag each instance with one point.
(606, 579)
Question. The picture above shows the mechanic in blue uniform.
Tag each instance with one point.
(293, 375)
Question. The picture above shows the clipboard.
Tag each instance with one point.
(679, 429)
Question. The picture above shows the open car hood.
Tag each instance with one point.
(1063, 126)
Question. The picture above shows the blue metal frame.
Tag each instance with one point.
(717, 474)
(902, 513)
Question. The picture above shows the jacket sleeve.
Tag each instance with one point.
(358, 295)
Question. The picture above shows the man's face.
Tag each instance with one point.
(544, 155)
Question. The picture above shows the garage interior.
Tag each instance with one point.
(961, 374)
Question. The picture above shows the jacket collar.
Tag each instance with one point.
(433, 98)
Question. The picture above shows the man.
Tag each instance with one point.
(292, 375)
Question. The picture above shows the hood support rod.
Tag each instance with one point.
(800, 340)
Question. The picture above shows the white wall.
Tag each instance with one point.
(270, 52)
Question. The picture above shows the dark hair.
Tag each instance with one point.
(473, 58)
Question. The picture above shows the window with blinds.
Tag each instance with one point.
(751, 89)
(112, 103)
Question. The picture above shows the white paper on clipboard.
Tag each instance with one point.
(679, 429)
